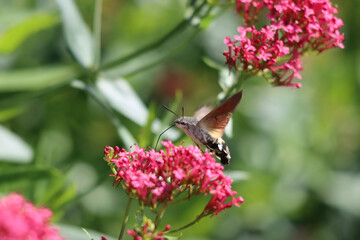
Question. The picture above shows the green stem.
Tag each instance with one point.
(159, 215)
(170, 53)
(197, 219)
(182, 25)
(126, 218)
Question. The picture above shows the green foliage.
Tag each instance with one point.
(13, 36)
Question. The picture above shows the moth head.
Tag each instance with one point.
(181, 122)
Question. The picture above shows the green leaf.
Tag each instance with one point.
(12, 37)
(211, 63)
(122, 98)
(237, 176)
(66, 196)
(13, 148)
(35, 78)
(28, 174)
(77, 33)
(11, 112)
(226, 79)
(76, 233)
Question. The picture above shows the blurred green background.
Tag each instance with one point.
(300, 148)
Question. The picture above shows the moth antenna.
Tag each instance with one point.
(170, 110)
(162, 134)
(182, 109)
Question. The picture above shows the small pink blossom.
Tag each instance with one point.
(157, 177)
(21, 220)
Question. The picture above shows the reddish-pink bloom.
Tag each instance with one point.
(21, 220)
(296, 26)
(158, 177)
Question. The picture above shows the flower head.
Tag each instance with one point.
(159, 177)
(296, 27)
(20, 220)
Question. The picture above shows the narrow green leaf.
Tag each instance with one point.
(28, 174)
(238, 175)
(48, 194)
(77, 33)
(122, 98)
(13, 148)
(35, 78)
(76, 233)
(11, 112)
(12, 37)
(66, 196)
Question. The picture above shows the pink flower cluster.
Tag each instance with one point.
(21, 220)
(147, 232)
(156, 177)
(296, 26)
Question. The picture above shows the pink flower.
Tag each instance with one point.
(296, 26)
(21, 220)
(158, 177)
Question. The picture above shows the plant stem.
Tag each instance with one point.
(198, 218)
(160, 215)
(182, 25)
(126, 218)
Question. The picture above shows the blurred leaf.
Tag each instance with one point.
(77, 33)
(76, 233)
(48, 194)
(13, 148)
(227, 79)
(65, 197)
(211, 63)
(9, 113)
(123, 99)
(167, 237)
(30, 173)
(238, 175)
(35, 78)
(344, 192)
(12, 37)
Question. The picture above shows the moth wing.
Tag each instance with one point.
(215, 121)
(215, 125)
(202, 112)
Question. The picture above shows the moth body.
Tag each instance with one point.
(190, 125)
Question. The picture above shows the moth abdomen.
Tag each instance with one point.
(221, 150)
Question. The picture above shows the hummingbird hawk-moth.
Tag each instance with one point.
(207, 126)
